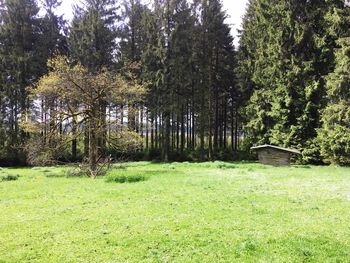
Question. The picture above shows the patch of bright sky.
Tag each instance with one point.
(235, 11)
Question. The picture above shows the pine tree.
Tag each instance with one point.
(21, 66)
(334, 136)
(216, 70)
(131, 46)
(92, 42)
(53, 30)
(92, 33)
(292, 54)
(182, 69)
(131, 33)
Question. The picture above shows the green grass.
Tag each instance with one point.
(211, 212)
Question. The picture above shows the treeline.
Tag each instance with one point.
(180, 51)
(164, 81)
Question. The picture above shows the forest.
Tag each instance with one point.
(163, 81)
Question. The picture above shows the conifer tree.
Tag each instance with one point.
(21, 66)
(335, 133)
(216, 60)
(92, 42)
(291, 55)
(333, 136)
(92, 34)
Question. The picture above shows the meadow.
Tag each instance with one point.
(188, 212)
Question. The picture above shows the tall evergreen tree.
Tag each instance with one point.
(92, 42)
(216, 70)
(131, 46)
(334, 136)
(291, 58)
(93, 33)
(335, 133)
(53, 31)
(21, 66)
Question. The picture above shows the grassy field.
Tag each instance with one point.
(211, 212)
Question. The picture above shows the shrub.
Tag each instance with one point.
(311, 153)
(154, 155)
(125, 143)
(41, 154)
(335, 145)
(124, 178)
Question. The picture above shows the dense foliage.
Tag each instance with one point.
(285, 85)
(286, 53)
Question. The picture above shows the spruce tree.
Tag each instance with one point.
(20, 36)
(92, 33)
(215, 56)
(333, 136)
(291, 55)
(92, 42)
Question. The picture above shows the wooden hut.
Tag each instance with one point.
(274, 155)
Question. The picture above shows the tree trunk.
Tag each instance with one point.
(166, 137)
(182, 144)
(74, 141)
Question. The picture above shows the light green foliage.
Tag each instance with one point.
(80, 94)
(193, 213)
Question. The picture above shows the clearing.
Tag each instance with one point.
(209, 212)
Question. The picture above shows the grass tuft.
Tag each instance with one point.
(53, 174)
(124, 177)
(8, 177)
(223, 165)
(246, 247)
(169, 166)
(74, 172)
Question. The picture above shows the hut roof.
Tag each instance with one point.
(277, 148)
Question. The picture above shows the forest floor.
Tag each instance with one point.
(210, 212)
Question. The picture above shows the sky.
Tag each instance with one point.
(235, 11)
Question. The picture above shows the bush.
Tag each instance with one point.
(41, 154)
(124, 178)
(311, 153)
(7, 177)
(335, 145)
